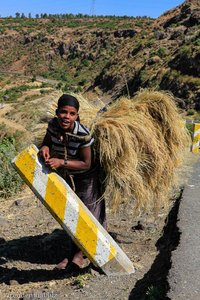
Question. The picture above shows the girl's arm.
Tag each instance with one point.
(83, 164)
(45, 147)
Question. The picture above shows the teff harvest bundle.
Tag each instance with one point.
(140, 142)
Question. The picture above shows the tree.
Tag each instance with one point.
(44, 15)
(29, 16)
(17, 14)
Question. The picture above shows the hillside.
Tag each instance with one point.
(166, 56)
(103, 57)
(109, 55)
(72, 50)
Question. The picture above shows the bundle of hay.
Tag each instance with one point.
(140, 143)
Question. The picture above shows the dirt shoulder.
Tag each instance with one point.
(32, 243)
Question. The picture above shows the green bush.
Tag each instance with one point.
(14, 93)
(161, 52)
(185, 51)
(190, 128)
(191, 112)
(10, 181)
(86, 63)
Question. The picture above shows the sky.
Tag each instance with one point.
(151, 8)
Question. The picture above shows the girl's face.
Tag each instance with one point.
(67, 115)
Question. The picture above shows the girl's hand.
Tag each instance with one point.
(44, 152)
(55, 163)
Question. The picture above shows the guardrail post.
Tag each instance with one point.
(196, 138)
(72, 214)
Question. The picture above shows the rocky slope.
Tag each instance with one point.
(114, 56)
(168, 58)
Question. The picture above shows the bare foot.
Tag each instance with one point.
(62, 265)
(79, 259)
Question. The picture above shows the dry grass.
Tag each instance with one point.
(140, 143)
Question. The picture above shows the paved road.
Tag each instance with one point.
(184, 276)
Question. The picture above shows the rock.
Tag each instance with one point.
(125, 33)
(52, 283)
(13, 282)
(3, 260)
(18, 202)
(50, 54)
(139, 226)
(94, 272)
(27, 39)
(63, 49)
(188, 63)
(6, 97)
(160, 35)
(177, 32)
(154, 60)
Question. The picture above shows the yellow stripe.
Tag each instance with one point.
(86, 232)
(56, 196)
(195, 149)
(112, 252)
(26, 162)
(196, 139)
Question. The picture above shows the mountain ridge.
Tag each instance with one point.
(111, 56)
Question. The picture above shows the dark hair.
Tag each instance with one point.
(69, 100)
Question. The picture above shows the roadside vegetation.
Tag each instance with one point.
(10, 181)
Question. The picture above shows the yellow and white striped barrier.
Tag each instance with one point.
(196, 138)
(72, 214)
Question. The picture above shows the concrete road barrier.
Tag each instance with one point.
(72, 214)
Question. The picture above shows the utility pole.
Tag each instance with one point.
(92, 10)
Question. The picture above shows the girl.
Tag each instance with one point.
(67, 148)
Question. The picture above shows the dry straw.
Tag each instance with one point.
(140, 143)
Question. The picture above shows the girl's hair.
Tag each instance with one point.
(69, 100)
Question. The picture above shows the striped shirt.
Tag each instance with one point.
(60, 143)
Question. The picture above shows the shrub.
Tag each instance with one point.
(190, 128)
(10, 181)
(191, 112)
(86, 63)
(161, 52)
(14, 93)
(185, 50)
